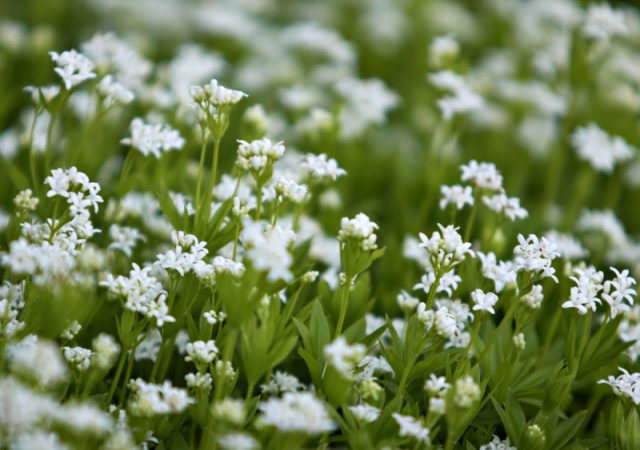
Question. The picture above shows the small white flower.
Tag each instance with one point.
(79, 357)
(361, 229)
(483, 175)
(619, 290)
(535, 254)
(412, 427)
(445, 247)
(153, 139)
(509, 206)
(436, 386)
(320, 167)
(533, 299)
(466, 391)
(201, 352)
(344, 357)
(296, 411)
(219, 95)
(484, 301)
(625, 385)
(603, 22)
(365, 413)
(456, 195)
(73, 67)
(600, 149)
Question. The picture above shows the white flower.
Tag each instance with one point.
(436, 386)
(443, 49)
(502, 273)
(237, 441)
(533, 299)
(463, 98)
(448, 282)
(267, 248)
(603, 22)
(509, 206)
(606, 222)
(320, 167)
(257, 154)
(584, 296)
(42, 94)
(212, 317)
(38, 360)
(199, 381)
(600, 149)
(78, 356)
(466, 391)
(519, 341)
(456, 195)
(73, 67)
(365, 413)
(484, 301)
(154, 399)
(113, 92)
(38, 440)
(153, 139)
(201, 352)
(367, 103)
(437, 406)
(229, 410)
(535, 255)
(625, 385)
(616, 291)
(141, 292)
(344, 357)
(406, 302)
(445, 247)
(124, 238)
(105, 350)
(76, 187)
(568, 246)
(498, 444)
(412, 427)
(483, 175)
(361, 229)
(219, 95)
(282, 382)
(289, 189)
(71, 331)
(296, 411)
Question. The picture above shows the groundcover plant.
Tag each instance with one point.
(278, 224)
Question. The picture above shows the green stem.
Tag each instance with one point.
(405, 376)
(506, 320)
(259, 205)
(116, 378)
(214, 163)
(580, 194)
(472, 217)
(344, 302)
(434, 289)
(203, 151)
(127, 376)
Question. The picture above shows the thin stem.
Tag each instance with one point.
(405, 376)
(344, 302)
(214, 163)
(127, 376)
(434, 289)
(259, 205)
(506, 320)
(203, 151)
(472, 217)
(235, 240)
(116, 378)
(32, 161)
